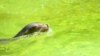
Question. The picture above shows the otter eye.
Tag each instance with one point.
(47, 25)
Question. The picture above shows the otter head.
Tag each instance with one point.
(44, 28)
(38, 27)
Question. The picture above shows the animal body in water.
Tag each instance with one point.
(32, 28)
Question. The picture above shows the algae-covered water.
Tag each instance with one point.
(75, 24)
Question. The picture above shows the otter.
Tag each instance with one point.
(29, 29)
(32, 28)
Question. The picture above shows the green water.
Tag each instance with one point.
(75, 24)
